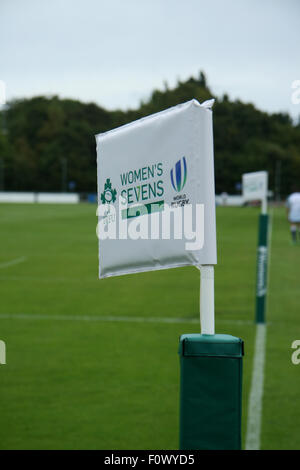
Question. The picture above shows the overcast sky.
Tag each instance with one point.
(116, 52)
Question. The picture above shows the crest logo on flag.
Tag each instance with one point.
(178, 175)
(109, 195)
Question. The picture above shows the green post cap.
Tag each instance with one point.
(210, 345)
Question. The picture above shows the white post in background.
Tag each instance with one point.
(264, 204)
(207, 300)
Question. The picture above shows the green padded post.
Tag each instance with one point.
(262, 268)
(210, 392)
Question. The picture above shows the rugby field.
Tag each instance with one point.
(93, 364)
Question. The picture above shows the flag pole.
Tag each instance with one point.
(264, 205)
(207, 300)
(262, 262)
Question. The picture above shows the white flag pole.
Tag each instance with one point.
(207, 300)
(264, 204)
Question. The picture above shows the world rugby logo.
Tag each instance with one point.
(179, 174)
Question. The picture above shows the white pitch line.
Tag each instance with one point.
(257, 390)
(13, 262)
(257, 384)
(96, 318)
(110, 318)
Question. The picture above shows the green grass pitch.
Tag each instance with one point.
(93, 384)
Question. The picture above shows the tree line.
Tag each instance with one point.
(48, 143)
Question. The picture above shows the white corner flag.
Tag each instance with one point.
(156, 194)
(255, 187)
